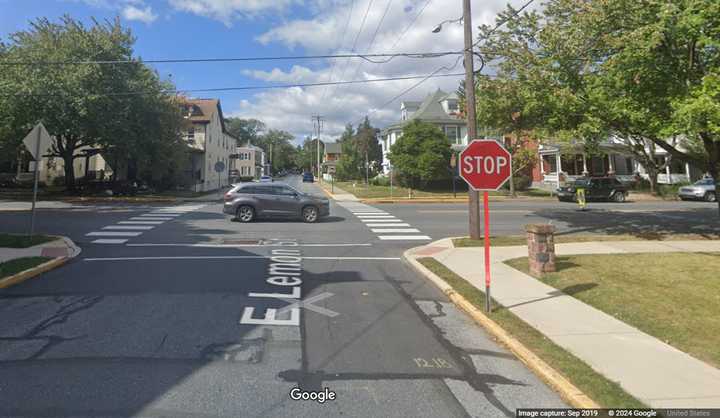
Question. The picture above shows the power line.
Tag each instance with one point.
(407, 28)
(367, 57)
(357, 36)
(372, 40)
(507, 19)
(342, 40)
(241, 88)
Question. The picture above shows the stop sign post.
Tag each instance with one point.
(485, 165)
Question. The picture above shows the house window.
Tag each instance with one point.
(190, 137)
(452, 134)
(452, 106)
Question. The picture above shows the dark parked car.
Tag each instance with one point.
(249, 201)
(596, 188)
(308, 177)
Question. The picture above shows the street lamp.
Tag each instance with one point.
(438, 28)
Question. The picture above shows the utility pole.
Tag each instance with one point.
(473, 195)
(317, 123)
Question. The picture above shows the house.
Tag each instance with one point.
(248, 161)
(208, 144)
(440, 109)
(331, 156)
(612, 158)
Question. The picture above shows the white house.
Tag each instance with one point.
(613, 159)
(248, 161)
(440, 109)
(208, 143)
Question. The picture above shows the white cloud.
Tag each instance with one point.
(228, 10)
(129, 9)
(323, 33)
(144, 15)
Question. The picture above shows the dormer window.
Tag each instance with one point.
(452, 106)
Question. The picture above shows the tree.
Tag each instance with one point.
(368, 148)
(421, 154)
(279, 149)
(87, 105)
(350, 165)
(644, 71)
(246, 130)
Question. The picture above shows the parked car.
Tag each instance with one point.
(702, 189)
(596, 188)
(308, 177)
(266, 179)
(249, 201)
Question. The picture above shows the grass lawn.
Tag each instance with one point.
(17, 265)
(23, 241)
(508, 240)
(674, 297)
(603, 391)
(380, 192)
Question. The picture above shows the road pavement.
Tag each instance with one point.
(199, 315)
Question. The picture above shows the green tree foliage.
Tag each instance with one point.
(306, 159)
(246, 130)
(79, 104)
(361, 156)
(351, 164)
(421, 154)
(279, 148)
(643, 71)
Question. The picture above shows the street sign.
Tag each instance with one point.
(485, 164)
(219, 167)
(38, 141)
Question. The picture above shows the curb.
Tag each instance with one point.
(569, 392)
(44, 267)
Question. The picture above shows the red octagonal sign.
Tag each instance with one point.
(485, 164)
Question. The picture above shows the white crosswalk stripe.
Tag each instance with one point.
(136, 225)
(381, 222)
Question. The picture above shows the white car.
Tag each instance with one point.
(702, 189)
(266, 179)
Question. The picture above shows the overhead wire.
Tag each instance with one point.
(367, 57)
(239, 88)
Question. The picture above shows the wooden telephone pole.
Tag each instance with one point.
(473, 196)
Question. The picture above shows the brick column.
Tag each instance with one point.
(541, 248)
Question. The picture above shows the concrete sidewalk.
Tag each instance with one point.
(337, 193)
(61, 247)
(654, 372)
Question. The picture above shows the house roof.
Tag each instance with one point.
(333, 148)
(202, 111)
(409, 103)
(431, 111)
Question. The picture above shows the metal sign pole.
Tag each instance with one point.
(38, 159)
(486, 204)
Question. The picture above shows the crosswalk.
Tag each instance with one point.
(387, 226)
(122, 231)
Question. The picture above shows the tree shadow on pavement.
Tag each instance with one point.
(646, 224)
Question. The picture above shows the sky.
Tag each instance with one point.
(182, 29)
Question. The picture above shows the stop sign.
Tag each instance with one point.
(485, 164)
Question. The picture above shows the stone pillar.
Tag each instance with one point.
(611, 164)
(585, 169)
(541, 248)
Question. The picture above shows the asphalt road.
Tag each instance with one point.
(180, 319)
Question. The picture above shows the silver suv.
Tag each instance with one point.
(248, 201)
(702, 189)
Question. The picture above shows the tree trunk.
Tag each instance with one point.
(68, 160)
(653, 178)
